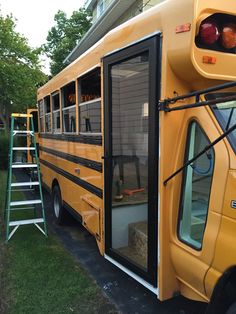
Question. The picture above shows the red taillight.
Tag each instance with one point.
(209, 32)
(228, 36)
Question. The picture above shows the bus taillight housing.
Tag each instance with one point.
(228, 36)
(217, 32)
(209, 32)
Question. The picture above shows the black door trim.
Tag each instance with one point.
(153, 46)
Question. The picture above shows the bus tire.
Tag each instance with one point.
(58, 210)
(232, 309)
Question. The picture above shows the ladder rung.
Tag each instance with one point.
(29, 202)
(23, 148)
(21, 165)
(22, 132)
(22, 190)
(22, 208)
(26, 222)
(25, 183)
(21, 115)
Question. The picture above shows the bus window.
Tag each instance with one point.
(41, 115)
(56, 124)
(47, 110)
(196, 188)
(69, 108)
(226, 115)
(90, 102)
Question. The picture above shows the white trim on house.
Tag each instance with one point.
(101, 26)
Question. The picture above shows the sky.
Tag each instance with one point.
(36, 17)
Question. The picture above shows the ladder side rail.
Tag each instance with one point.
(9, 178)
(38, 173)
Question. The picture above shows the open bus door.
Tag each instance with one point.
(131, 158)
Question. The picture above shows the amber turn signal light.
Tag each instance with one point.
(228, 36)
(209, 59)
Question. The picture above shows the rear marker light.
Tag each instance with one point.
(209, 60)
(183, 28)
(228, 36)
(209, 32)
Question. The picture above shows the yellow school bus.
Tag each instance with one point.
(137, 140)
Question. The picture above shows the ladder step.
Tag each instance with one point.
(21, 165)
(29, 202)
(23, 148)
(22, 208)
(26, 222)
(22, 190)
(21, 115)
(22, 132)
(25, 183)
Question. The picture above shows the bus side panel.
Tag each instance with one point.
(225, 254)
(86, 204)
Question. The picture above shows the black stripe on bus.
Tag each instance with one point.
(87, 186)
(86, 139)
(95, 165)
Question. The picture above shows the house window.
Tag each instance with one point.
(69, 108)
(56, 122)
(100, 8)
(90, 103)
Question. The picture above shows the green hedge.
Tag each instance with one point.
(4, 146)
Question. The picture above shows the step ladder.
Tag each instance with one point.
(28, 204)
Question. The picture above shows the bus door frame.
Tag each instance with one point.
(151, 44)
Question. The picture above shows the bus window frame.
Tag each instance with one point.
(219, 118)
(41, 115)
(57, 92)
(63, 108)
(47, 114)
(99, 99)
(180, 206)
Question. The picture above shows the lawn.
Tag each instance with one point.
(37, 275)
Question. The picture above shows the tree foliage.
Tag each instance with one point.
(64, 36)
(20, 71)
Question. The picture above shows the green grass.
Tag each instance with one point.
(39, 276)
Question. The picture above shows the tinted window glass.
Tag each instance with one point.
(225, 113)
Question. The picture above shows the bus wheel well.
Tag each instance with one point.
(54, 183)
(224, 293)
